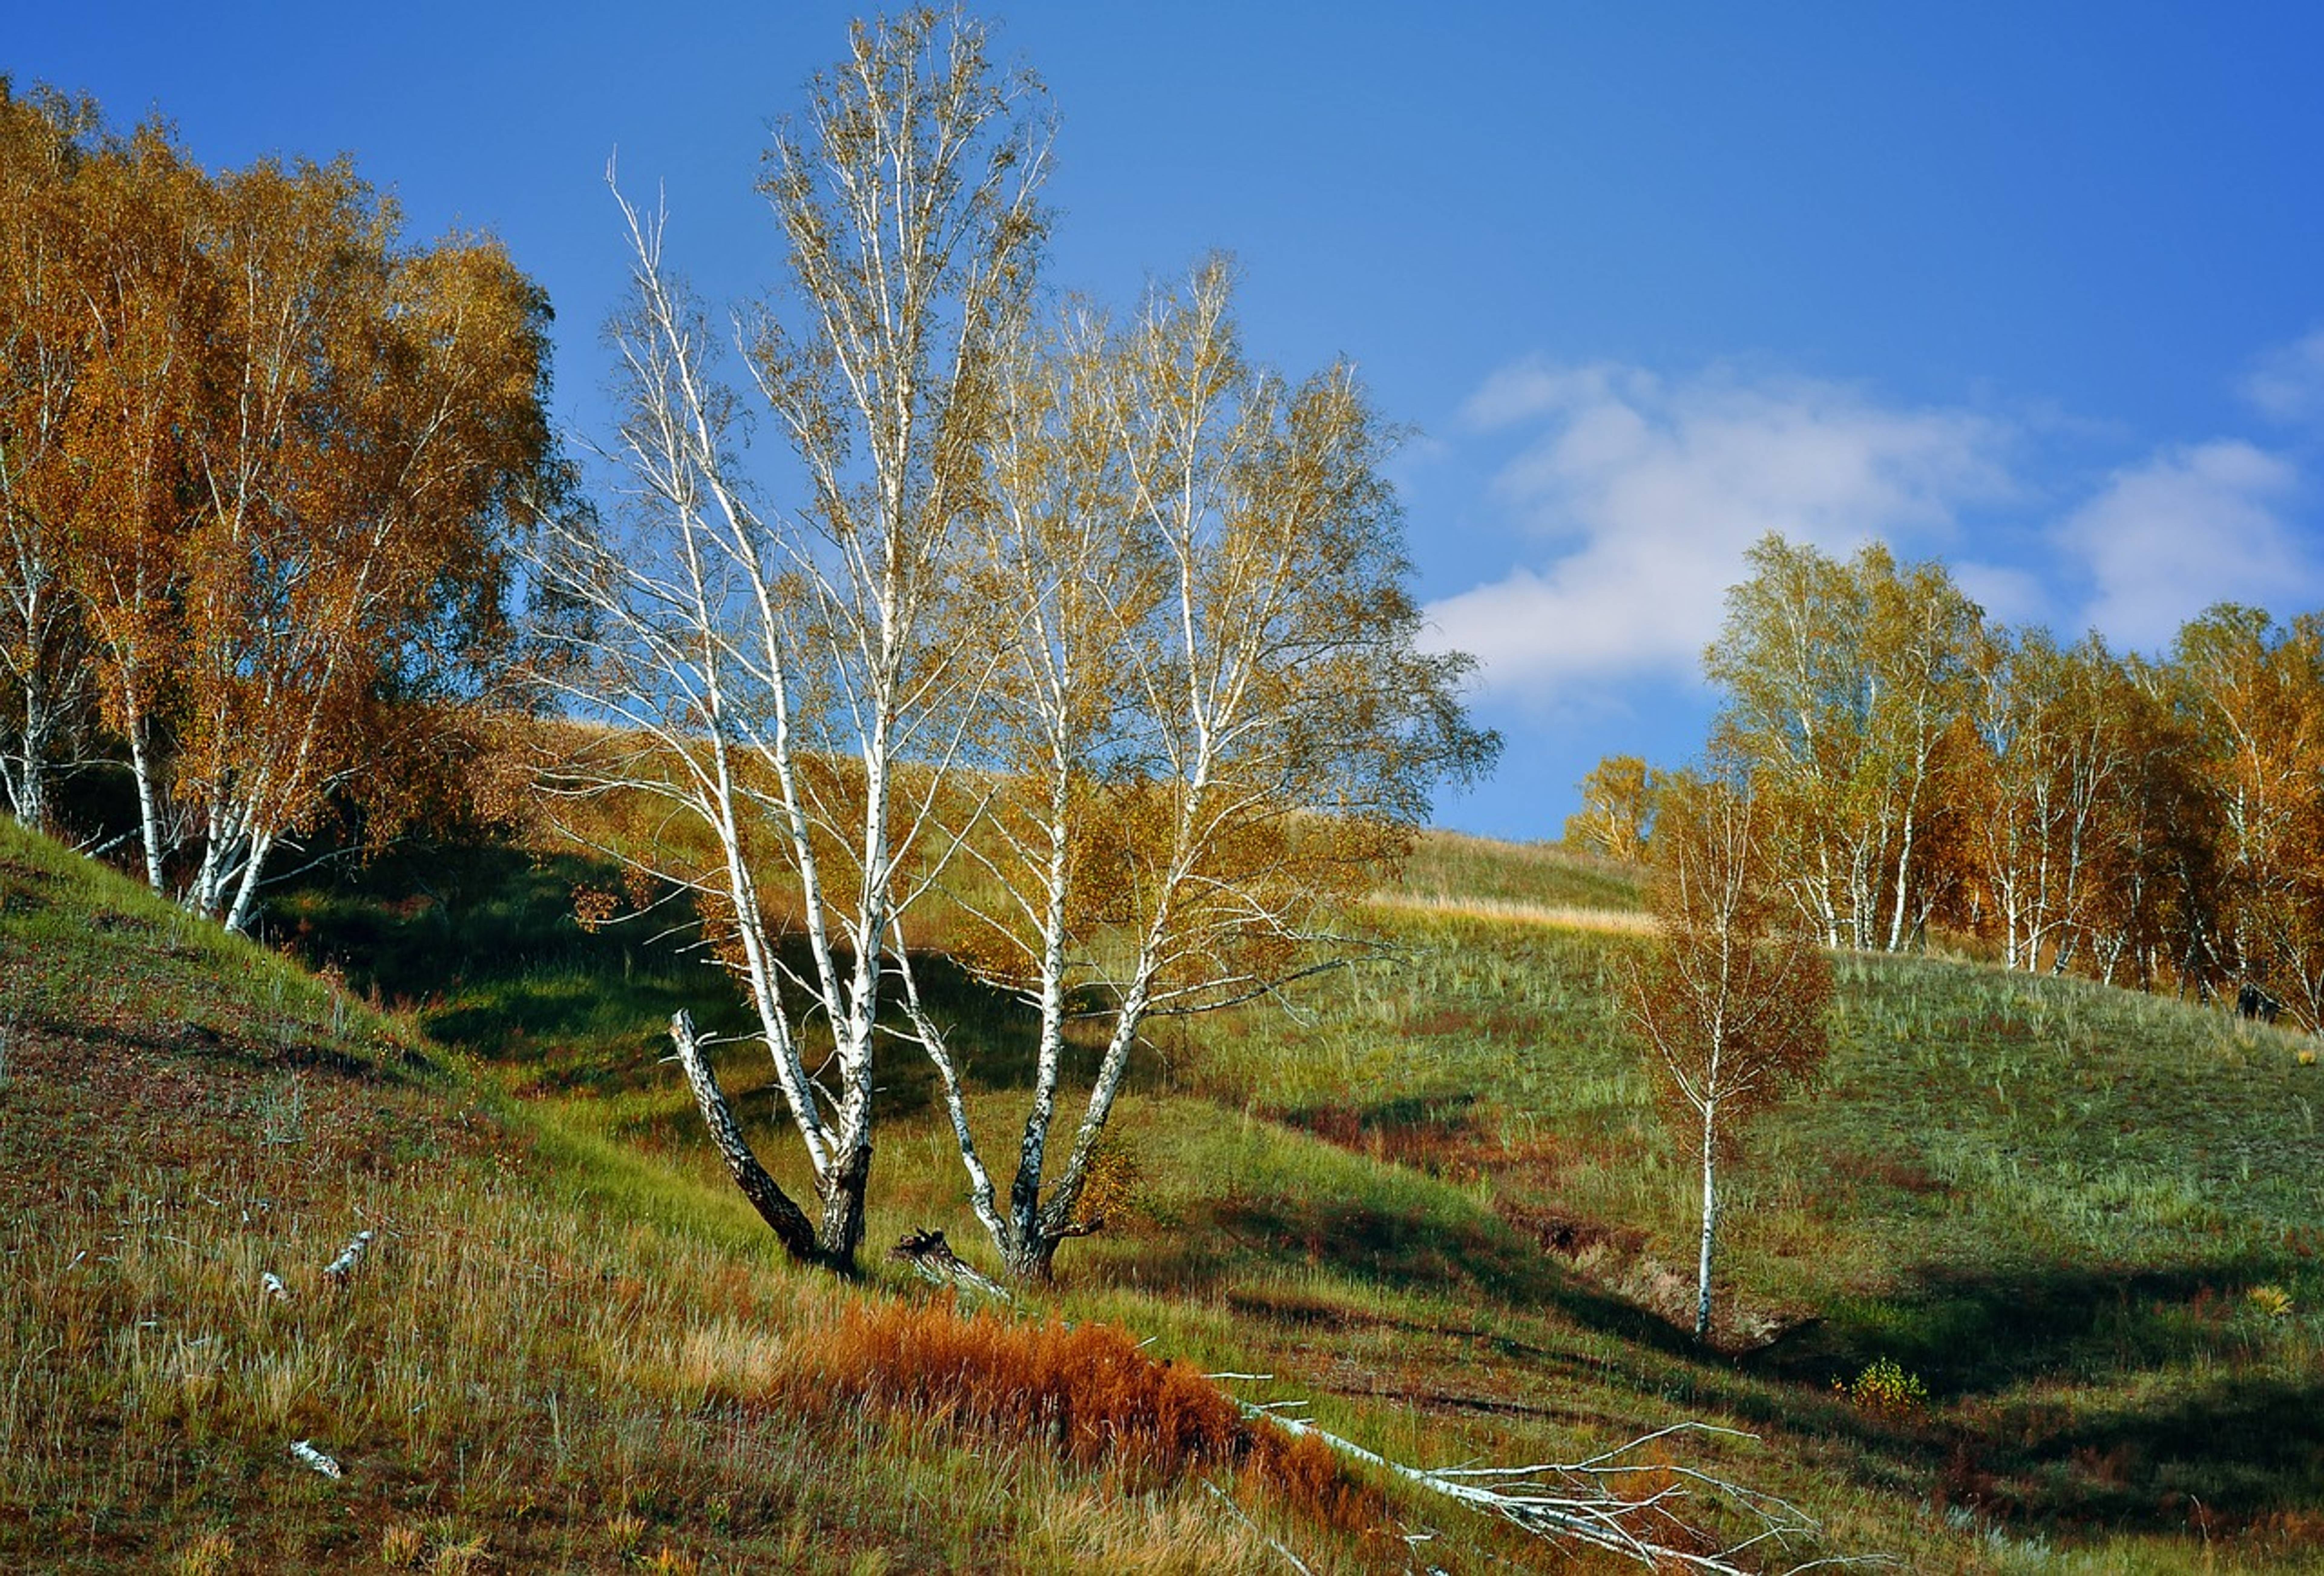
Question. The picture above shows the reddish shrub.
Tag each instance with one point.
(1087, 1389)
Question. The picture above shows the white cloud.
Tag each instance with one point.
(1645, 490)
(2008, 595)
(2287, 383)
(2191, 525)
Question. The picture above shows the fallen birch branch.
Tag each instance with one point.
(304, 1452)
(343, 1265)
(1242, 1516)
(1586, 1502)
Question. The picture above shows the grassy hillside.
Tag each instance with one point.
(553, 1353)
(1433, 1201)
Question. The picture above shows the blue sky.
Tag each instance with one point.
(2039, 290)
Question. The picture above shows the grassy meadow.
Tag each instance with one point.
(2030, 1282)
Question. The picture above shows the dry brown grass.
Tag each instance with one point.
(1559, 916)
(1089, 1391)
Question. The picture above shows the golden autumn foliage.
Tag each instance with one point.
(1209, 726)
(1085, 652)
(2149, 820)
(1731, 1000)
(276, 454)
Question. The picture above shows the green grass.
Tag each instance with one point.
(1433, 1200)
(550, 1358)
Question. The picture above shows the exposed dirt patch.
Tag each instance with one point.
(1615, 1259)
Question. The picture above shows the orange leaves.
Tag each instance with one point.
(1731, 999)
(278, 453)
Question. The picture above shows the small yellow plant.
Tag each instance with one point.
(1886, 1389)
(669, 1562)
(211, 1555)
(624, 1529)
(399, 1546)
(457, 1558)
(2308, 1059)
(2271, 1300)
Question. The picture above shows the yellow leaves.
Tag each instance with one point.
(1731, 1000)
(281, 448)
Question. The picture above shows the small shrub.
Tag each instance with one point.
(1886, 1389)
(624, 1531)
(211, 1555)
(1088, 1390)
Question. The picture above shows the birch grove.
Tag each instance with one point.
(1843, 681)
(260, 462)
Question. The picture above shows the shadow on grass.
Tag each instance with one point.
(2077, 1397)
(1407, 1249)
(481, 941)
(1976, 1331)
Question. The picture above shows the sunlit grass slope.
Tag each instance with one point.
(554, 1353)
(1433, 1198)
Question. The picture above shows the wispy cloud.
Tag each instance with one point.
(1643, 493)
(2191, 525)
(2287, 383)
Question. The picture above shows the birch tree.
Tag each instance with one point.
(148, 300)
(1730, 1002)
(43, 347)
(777, 675)
(2047, 831)
(1618, 808)
(259, 463)
(1844, 684)
(2255, 693)
(368, 439)
(1211, 723)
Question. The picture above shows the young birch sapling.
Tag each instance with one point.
(1730, 1000)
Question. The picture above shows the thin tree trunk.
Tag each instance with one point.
(1710, 1230)
(149, 804)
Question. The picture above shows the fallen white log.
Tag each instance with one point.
(304, 1452)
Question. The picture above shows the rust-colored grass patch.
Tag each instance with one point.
(1087, 1389)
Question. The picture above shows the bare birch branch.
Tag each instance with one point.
(1613, 1501)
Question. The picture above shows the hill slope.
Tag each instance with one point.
(548, 1354)
(1432, 1202)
